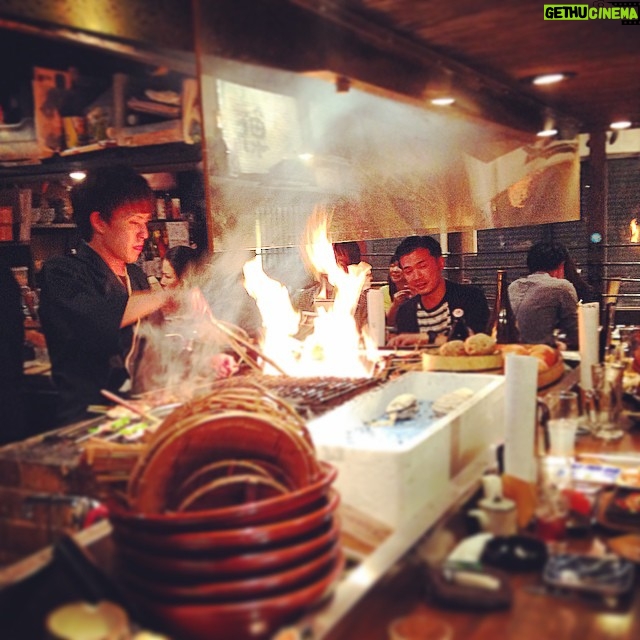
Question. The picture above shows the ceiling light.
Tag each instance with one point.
(547, 133)
(444, 101)
(548, 78)
(620, 124)
(78, 176)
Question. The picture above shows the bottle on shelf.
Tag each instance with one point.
(502, 325)
(459, 328)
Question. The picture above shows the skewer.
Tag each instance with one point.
(132, 407)
(242, 342)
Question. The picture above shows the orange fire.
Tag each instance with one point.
(335, 346)
(635, 231)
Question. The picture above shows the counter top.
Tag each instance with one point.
(390, 582)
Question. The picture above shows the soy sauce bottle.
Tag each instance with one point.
(459, 329)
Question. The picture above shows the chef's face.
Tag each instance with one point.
(126, 231)
(169, 279)
(422, 271)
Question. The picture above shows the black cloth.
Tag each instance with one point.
(12, 423)
(469, 298)
(81, 307)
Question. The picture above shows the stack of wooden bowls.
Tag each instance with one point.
(228, 530)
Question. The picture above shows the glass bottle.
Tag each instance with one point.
(459, 329)
(502, 325)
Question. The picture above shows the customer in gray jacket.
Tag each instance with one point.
(544, 302)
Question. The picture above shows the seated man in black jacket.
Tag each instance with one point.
(427, 317)
(91, 301)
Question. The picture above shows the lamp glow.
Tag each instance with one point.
(445, 101)
(620, 124)
(548, 78)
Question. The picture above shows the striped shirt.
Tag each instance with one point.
(434, 321)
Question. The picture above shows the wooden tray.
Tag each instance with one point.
(436, 362)
(551, 375)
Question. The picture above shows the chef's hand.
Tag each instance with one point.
(224, 365)
(197, 302)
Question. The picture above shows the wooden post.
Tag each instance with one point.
(596, 209)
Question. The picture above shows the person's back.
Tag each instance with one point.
(544, 302)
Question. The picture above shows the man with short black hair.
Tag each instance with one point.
(544, 302)
(92, 301)
(426, 318)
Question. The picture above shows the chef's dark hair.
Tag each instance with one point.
(545, 256)
(410, 244)
(105, 190)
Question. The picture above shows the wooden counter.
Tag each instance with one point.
(388, 583)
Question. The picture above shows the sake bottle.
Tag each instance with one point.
(502, 325)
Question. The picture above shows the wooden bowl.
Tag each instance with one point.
(249, 537)
(551, 375)
(239, 588)
(272, 510)
(224, 468)
(204, 439)
(225, 564)
(257, 619)
(231, 491)
(437, 362)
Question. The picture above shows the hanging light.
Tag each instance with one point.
(549, 128)
(439, 88)
(78, 176)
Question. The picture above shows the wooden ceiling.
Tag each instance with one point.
(501, 43)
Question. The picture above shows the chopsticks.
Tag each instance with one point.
(153, 420)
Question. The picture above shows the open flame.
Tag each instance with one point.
(635, 231)
(335, 345)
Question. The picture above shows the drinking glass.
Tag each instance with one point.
(606, 400)
(563, 422)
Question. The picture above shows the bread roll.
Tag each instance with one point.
(479, 344)
(452, 348)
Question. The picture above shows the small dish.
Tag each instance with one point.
(604, 576)
(515, 553)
